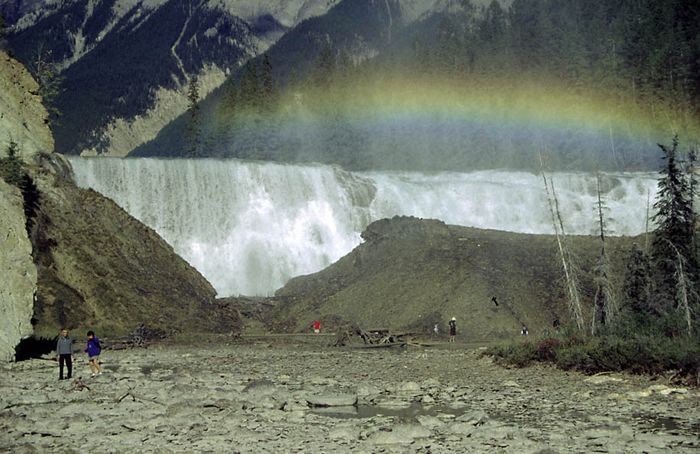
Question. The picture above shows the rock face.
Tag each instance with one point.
(23, 118)
(88, 262)
(100, 268)
(17, 270)
(412, 274)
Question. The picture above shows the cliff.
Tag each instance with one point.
(100, 268)
(17, 270)
(23, 119)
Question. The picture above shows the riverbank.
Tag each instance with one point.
(257, 397)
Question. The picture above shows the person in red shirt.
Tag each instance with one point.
(317, 326)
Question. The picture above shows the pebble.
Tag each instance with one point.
(253, 399)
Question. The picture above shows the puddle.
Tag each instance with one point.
(667, 423)
(403, 413)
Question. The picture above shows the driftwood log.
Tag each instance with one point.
(139, 337)
(372, 338)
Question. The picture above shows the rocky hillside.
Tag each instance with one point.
(99, 267)
(412, 273)
(71, 257)
(22, 121)
(22, 116)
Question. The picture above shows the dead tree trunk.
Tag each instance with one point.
(604, 304)
(569, 272)
(682, 290)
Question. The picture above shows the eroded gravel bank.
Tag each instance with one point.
(255, 398)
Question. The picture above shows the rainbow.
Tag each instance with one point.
(504, 101)
(393, 114)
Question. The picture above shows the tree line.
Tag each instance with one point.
(637, 53)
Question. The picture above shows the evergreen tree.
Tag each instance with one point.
(49, 81)
(193, 125)
(636, 291)
(3, 32)
(674, 234)
(267, 85)
(12, 171)
(250, 86)
(324, 69)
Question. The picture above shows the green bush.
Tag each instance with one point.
(517, 354)
(11, 167)
(639, 355)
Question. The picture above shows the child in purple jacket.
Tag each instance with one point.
(93, 350)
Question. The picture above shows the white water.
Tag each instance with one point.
(250, 226)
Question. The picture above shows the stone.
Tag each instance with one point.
(366, 390)
(347, 433)
(408, 387)
(399, 434)
(429, 422)
(475, 418)
(430, 383)
(260, 388)
(600, 379)
(19, 275)
(666, 391)
(460, 428)
(332, 400)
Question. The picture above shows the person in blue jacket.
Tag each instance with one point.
(93, 350)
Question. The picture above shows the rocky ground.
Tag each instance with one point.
(258, 396)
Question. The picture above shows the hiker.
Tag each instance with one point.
(317, 326)
(436, 329)
(93, 350)
(556, 324)
(64, 352)
(524, 331)
(453, 329)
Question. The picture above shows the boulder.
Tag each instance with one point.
(19, 276)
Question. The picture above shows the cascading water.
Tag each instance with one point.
(250, 226)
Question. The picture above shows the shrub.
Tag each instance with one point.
(639, 355)
(515, 354)
(547, 349)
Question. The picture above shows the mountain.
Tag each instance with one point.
(460, 85)
(124, 65)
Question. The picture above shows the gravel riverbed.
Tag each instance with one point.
(278, 398)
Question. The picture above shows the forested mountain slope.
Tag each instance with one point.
(462, 85)
(121, 67)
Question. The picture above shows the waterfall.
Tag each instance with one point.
(250, 226)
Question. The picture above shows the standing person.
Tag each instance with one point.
(453, 329)
(436, 329)
(93, 350)
(64, 350)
